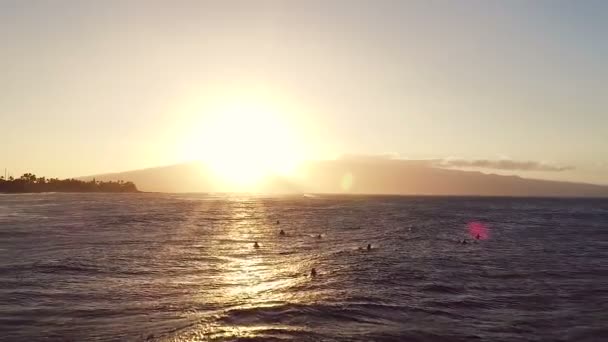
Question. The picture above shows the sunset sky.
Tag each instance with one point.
(515, 87)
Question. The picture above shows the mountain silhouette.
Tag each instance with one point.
(401, 177)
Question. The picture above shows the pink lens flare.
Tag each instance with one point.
(478, 230)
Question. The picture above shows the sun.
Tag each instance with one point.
(242, 142)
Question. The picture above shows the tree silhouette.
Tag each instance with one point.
(28, 182)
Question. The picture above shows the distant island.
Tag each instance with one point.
(29, 183)
(367, 175)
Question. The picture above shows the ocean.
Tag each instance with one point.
(182, 267)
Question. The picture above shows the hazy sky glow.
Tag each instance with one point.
(98, 86)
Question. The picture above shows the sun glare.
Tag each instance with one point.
(243, 142)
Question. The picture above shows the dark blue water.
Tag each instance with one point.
(133, 267)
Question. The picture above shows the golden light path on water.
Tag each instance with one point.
(249, 278)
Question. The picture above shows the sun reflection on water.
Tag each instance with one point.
(256, 276)
(250, 279)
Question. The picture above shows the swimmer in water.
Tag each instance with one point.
(369, 246)
(477, 237)
(282, 232)
(278, 222)
(313, 272)
(256, 245)
(319, 236)
(464, 242)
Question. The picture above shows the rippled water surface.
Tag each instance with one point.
(133, 267)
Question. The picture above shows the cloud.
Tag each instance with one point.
(389, 158)
(502, 164)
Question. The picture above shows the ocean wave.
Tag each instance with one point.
(177, 268)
